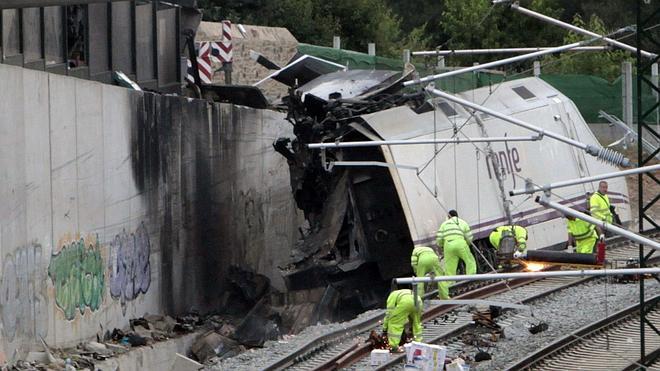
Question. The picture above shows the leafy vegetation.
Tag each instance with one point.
(448, 24)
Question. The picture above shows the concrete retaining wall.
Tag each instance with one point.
(115, 203)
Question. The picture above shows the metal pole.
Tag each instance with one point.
(537, 68)
(626, 93)
(599, 223)
(567, 183)
(506, 276)
(498, 170)
(629, 130)
(370, 163)
(499, 62)
(556, 22)
(654, 80)
(371, 48)
(602, 153)
(640, 182)
(406, 56)
(596, 48)
(336, 42)
(440, 62)
(376, 143)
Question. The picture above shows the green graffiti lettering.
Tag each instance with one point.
(78, 277)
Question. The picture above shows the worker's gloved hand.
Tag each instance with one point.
(602, 237)
(519, 254)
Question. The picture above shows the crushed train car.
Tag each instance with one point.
(366, 207)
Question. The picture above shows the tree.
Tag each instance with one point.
(364, 21)
(477, 24)
(358, 22)
(421, 23)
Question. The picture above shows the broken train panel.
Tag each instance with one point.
(356, 229)
(461, 176)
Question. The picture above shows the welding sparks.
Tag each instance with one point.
(534, 266)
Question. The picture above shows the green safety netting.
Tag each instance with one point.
(590, 93)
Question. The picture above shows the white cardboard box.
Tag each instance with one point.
(428, 357)
(379, 357)
(457, 365)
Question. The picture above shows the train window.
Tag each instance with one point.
(523, 92)
(447, 109)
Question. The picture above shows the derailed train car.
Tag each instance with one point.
(368, 206)
(461, 176)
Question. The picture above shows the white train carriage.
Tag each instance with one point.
(458, 176)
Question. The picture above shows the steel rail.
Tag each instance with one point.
(575, 338)
(343, 358)
(617, 242)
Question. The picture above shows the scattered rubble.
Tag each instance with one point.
(140, 332)
(212, 344)
(226, 334)
(558, 318)
(257, 358)
(183, 363)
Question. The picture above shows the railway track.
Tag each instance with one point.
(439, 332)
(325, 348)
(609, 344)
(347, 347)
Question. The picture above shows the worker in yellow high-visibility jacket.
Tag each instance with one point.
(519, 233)
(424, 260)
(401, 309)
(583, 235)
(599, 204)
(454, 237)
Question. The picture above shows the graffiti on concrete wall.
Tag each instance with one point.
(130, 270)
(23, 293)
(77, 272)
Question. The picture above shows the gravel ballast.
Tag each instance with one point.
(258, 358)
(564, 312)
